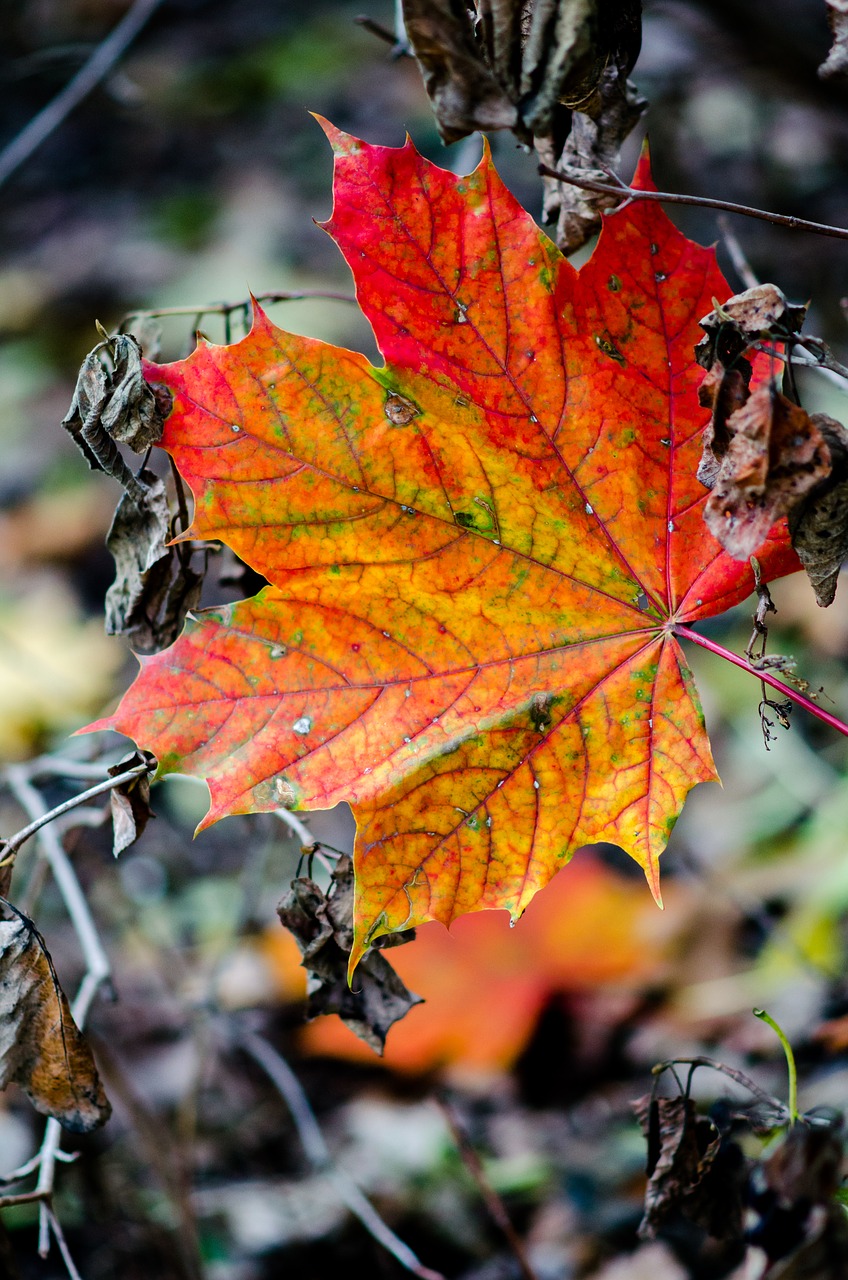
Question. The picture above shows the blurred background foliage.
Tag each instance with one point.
(190, 176)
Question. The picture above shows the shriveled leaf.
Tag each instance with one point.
(836, 63)
(723, 391)
(41, 1048)
(759, 312)
(464, 92)
(802, 1229)
(155, 584)
(553, 71)
(130, 802)
(132, 415)
(116, 405)
(776, 457)
(322, 925)
(819, 526)
(682, 1150)
(478, 552)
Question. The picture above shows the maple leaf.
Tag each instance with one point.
(478, 552)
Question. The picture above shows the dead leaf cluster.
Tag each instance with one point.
(764, 456)
(156, 584)
(553, 71)
(697, 1173)
(322, 924)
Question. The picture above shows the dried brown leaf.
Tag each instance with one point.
(819, 526)
(776, 457)
(723, 391)
(131, 414)
(41, 1048)
(682, 1150)
(553, 71)
(836, 63)
(464, 92)
(155, 585)
(322, 925)
(751, 316)
(130, 801)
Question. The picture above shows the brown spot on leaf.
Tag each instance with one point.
(399, 410)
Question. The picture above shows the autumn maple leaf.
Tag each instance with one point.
(478, 553)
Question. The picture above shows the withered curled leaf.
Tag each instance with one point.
(155, 584)
(41, 1048)
(322, 925)
(130, 801)
(553, 71)
(683, 1148)
(723, 391)
(116, 405)
(776, 456)
(819, 526)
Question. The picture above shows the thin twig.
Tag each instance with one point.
(59, 1235)
(24, 1170)
(227, 308)
(317, 1152)
(87, 78)
(705, 202)
(8, 848)
(741, 264)
(296, 827)
(739, 1077)
(492, 1200)
(24, 1197)
(400, 47)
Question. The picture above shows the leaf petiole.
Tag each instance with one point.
(686, 633)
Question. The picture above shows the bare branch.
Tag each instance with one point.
(626, 193)
(493, 1202)
(10, 847)
(317, 1153)
(87, 78)
(226, 308)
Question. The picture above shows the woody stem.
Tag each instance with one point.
(686, 633)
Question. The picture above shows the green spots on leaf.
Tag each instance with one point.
(628, 436)
(614, 284)
(472, 822)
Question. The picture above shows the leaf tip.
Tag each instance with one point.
(643, 178)
(343, 144)
(652, 875)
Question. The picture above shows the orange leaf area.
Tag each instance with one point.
(485, 984)
(477, 552)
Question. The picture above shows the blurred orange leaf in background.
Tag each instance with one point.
(485, 983)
